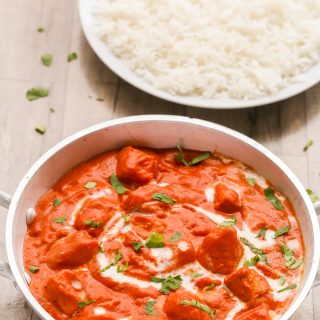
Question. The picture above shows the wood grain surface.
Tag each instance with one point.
(74, 88)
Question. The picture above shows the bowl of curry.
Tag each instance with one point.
(175, 232)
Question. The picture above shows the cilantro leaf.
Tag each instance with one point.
(155, 240)
(101, 250)
(251, 181)
(163, 198)
(46, 59)
(117, 185)
(84, 303)
(231, 222)
(60, 220)
(169, 283)
(209, 287)
(180, 158)
(36, 93)
(290, 261)
(270, 195)
(117, 258)
(292, 286)
(195, 275)
(282, 280)
(34, 269)
(314, 198)
(123, 268)
(149, 307)
(175, 237)
(56, 202)
(262, 233)
(252, 262)
(93, 224)
(200, 306)
(90, 185)
(281, 231)
(262, 256)
(137, 245)
(72, 56)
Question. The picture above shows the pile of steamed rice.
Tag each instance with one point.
(241, 49)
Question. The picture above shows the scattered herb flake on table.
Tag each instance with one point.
(72, 56)
(314, 198)
(47, 59)
(41, 29)
(41, 129)
(308, 145)
(36, 93)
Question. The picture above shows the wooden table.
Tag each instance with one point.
(74, 88)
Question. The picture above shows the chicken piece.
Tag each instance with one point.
(72, 251)
(225, 199)
(247, 284)
(259, 313)
(220, 251)
(136, 166)
(65, 291)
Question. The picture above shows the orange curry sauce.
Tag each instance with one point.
(168, 236)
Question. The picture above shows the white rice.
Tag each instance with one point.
(240, 49)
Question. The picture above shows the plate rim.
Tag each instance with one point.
(312, 76)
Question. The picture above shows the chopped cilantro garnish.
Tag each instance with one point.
(90, 185)
(163, 198)
(93, 224)
(169, 283)
(84, 303)
(34, 269)
(56, 202)
(251, 181)
(180, 158)
(262, 233)
(282, 280)
(47, 59)
(175, 237)
(209, 287)
(200, 306)
(60, 220)
(117, 258)
(125, 217)
(292, 286)
(137, 245)
(252, 262)
(123, 268)
(262, 256)
(149, 307)
(195, 275)
(231, 222)
(101, 250)
(155, 240)
(117, 185)
(270, 195)
(289, 258)
(281, 231)
(36, 93)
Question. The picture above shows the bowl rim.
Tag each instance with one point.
(20, 281)
(311, 77)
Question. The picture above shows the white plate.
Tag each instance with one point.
(307, 79)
